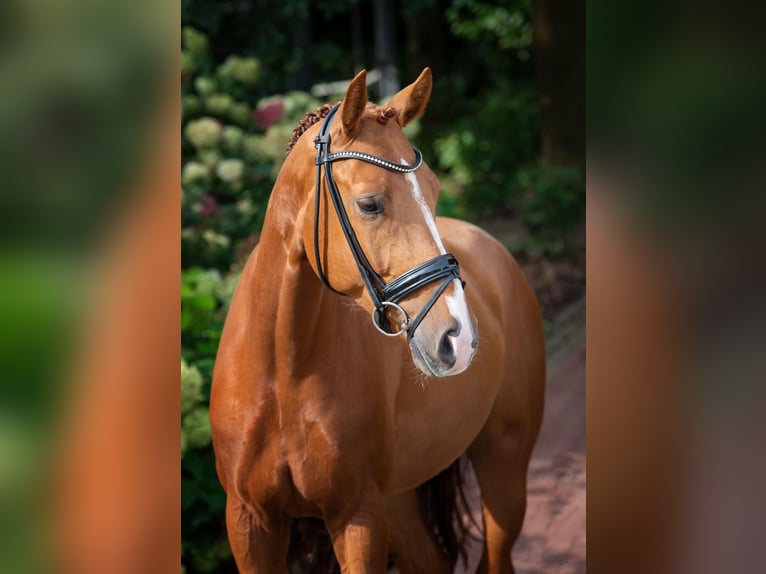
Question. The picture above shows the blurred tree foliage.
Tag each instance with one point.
(248, 67)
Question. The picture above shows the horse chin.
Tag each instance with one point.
(420, 362)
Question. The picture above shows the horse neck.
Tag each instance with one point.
(289, 300)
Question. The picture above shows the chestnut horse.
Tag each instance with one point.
(315, 412)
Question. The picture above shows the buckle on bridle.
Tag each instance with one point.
(378, 318)
(322, 145)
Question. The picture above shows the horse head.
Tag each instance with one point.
(369, 231)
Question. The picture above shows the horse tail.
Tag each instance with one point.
(444, 509)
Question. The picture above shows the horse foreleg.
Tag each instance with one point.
(500, 461)
(360, 534)
(258, 544)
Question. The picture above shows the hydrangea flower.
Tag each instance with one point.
(207, 281)
(195, 41)
(208, 205)
(251, 147)
(269, 114)
(296, 104)
(232, 137)
(205, 86)
(203, 133)
(247, 71)
(188, 63)
(194, 172)
(191, 386)
(243, 70)
(245, 207)
(210, 157)
(218, 103)
(240, 113)
(196, 428)
(215, 238)
(230, 170)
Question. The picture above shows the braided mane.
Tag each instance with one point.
(308, 120)
(383, 115)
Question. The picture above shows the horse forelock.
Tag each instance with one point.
(381, 113)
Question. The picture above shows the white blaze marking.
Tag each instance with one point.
(430, 221)
(455, 303)
(459, 309)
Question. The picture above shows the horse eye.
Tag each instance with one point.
(370, 205)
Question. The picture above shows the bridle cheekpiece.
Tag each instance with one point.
(384, 295)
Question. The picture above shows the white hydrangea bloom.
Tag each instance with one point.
(232, 137)
(194, 172)
(191, 386)
(207, 282)
(203, 133)
(205, 86)
(230, 170)
(218, 103)
(196, 428)
(215, 238)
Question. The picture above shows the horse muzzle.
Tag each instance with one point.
(445, 350)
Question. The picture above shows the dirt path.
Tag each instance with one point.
(553, 538)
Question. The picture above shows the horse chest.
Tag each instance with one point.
(331, 436)
(435, 424)
(398, 427)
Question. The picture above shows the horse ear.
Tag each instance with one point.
(412, 100)
(353, 104)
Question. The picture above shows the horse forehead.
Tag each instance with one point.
(372, 178)
(387, 139)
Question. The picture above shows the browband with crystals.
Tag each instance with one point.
(373, 159)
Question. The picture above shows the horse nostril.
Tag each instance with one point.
(446, 350)
(456, 330)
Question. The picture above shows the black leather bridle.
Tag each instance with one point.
(444, 267)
